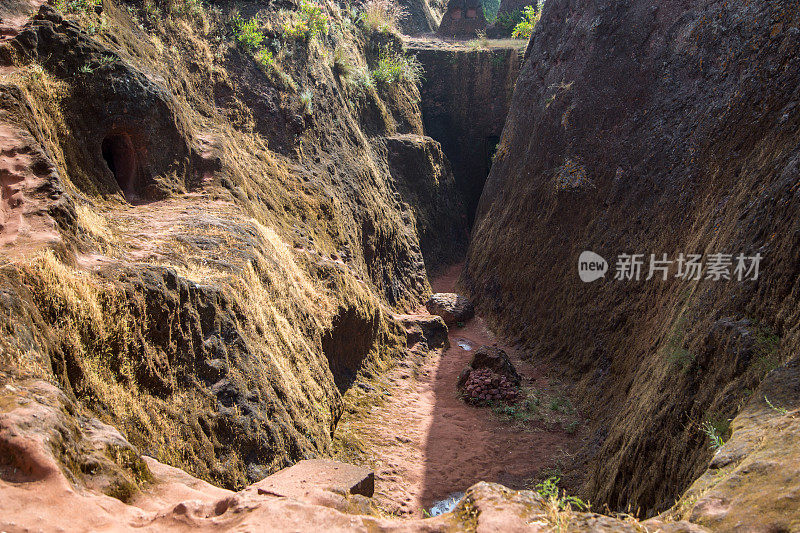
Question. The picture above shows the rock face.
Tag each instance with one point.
(450, 306)
(426, 183)
(747, 476)
(651, 128)
(463, 18)
(466, 95)
(420, 17)
(189, 248)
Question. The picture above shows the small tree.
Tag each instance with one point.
(530, 16)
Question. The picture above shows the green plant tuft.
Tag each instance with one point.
(716, 430)
(548, 489)
(247, 32)
(530, 17)
(396, 66)
(77, 6)
(264, 58)
(311, 22)
(382, 16)
(779, 410)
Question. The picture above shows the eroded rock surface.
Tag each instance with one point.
(650, 128)
(188, 250)
(450, 306)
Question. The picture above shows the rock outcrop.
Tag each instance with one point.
(466, 96)
(450, 306)
(58, 470)
(201, 248)
(652, 128)
(424, 179)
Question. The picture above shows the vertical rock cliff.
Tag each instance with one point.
(650, 128)
(466, 96)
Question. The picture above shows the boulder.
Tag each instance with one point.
(429, 331)
(496, 360)
(490, 377)
(450, 306)
(326, 474)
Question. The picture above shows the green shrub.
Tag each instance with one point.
(396, 66)
(507, 21)
(382, 16)
(247, 32)
(311, 22)
(524, 29)
(490, 8)
(264, 58)
(77, 6)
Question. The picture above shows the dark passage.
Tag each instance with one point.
(120, 157)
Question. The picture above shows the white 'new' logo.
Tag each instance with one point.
(591, 267)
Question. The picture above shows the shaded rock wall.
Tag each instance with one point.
(465, 98)
(425, 181)
(648, 128)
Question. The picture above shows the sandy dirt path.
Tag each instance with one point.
(428, 444)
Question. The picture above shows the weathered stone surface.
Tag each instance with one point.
(425, 181)
(227, 304)
(429, 329)
(631, 132)
(334, 476)
(450, 306)
(751, 482)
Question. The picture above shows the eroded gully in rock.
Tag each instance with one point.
(427, 443)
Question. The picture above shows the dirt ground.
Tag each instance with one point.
(428, 444)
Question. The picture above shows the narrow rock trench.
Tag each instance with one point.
(426, 443)
(423, 440)
(219, 222)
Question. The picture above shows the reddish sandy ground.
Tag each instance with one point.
(428, 443)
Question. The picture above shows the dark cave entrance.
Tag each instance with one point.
(348, 343)
(120, 156)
